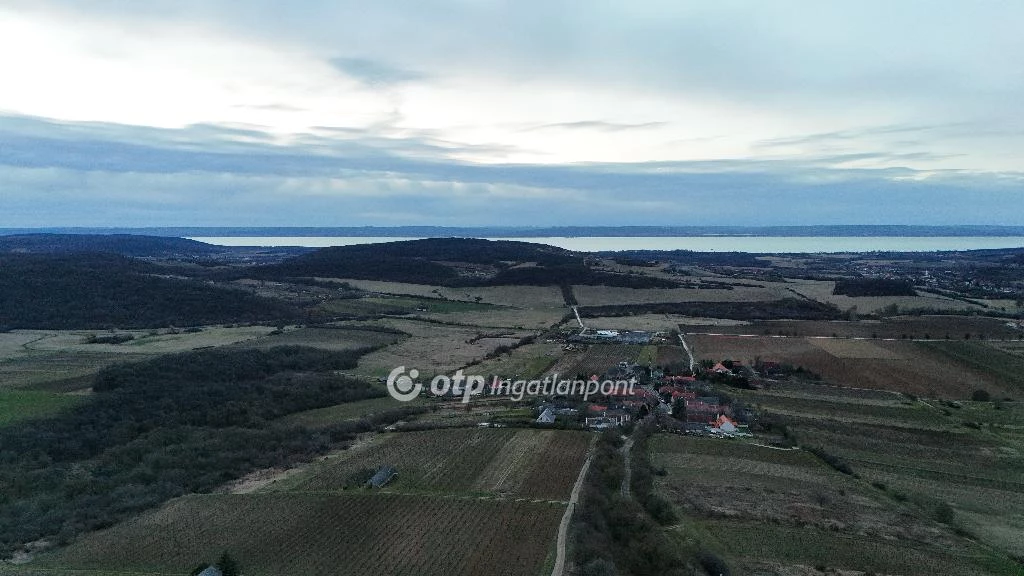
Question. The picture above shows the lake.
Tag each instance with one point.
(753, 244)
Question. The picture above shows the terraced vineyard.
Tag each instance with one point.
(768, 511)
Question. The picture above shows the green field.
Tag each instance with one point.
(324, 417)
(18, 405)
(374, 305)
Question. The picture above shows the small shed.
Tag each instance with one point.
(546, 417)
(384, 475)
(211, 571)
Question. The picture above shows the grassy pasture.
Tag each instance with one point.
(62, 360)
(329, 534)
(323, 417)
(24, 404)
(333, 338)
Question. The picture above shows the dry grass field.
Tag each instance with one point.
(63, 360)
(822, 292)
(527, 362)
(435, 348)
(337, 337)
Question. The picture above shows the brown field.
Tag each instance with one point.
(900, 328)
(606, 295)
(328, 534)
(669, 354)
(897, 365)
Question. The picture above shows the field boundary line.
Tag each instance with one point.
(563, 526)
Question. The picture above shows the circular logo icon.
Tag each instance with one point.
(402, 386)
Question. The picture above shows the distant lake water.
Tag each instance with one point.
(753, 244)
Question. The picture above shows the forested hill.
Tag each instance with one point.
(454, 262)
(97, 291)
(123, 244)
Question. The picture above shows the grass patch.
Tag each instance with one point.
(18, 405)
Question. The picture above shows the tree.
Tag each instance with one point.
(227, 565)
(679, 409)
(980, 396)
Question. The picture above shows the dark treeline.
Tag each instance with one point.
(99, 291)
(873, 287)
(170, 426)
(691, 258)
(786, 308)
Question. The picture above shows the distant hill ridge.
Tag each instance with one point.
(455, 262)
(123, 244)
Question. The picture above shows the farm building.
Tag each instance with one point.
(546, 417)
(384, 475)
(211, 571)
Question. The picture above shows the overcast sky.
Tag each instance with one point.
(526, 112)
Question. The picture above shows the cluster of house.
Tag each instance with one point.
(697, 410)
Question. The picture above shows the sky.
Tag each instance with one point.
(527, 112)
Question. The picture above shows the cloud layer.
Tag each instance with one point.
(484, 112)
